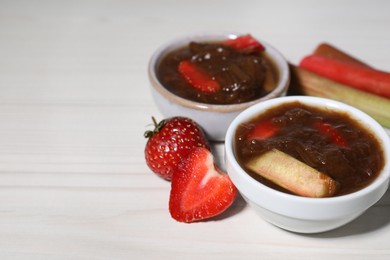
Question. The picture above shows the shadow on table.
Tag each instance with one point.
(238, 206)
(375, 218)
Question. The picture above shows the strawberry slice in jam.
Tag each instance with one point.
(246, 44)
(262, 130)
(198, 78)
(332, 133)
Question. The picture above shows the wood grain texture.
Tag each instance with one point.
(75, 101)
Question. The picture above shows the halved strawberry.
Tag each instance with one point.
(245, 43)
(200, 190)
(332, 133)
(197, 78)
(263, 130)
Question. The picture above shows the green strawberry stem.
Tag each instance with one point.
(157, 127)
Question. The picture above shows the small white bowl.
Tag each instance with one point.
(214, 119)
(300, 214)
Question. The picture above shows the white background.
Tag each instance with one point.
(75, 101)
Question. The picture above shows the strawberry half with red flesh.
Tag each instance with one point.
(245, 44)
(171, 141)
(197, 78)
(200, 190)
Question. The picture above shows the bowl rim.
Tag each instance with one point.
(280, 62)
(355, 113)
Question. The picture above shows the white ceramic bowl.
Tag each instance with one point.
(214, 119)
(300, 214)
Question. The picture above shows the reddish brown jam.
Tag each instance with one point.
(354, 163)
(243, 76)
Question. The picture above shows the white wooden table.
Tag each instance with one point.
(74, 103)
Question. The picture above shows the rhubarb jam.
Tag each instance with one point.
(243, 77)
(328, 141)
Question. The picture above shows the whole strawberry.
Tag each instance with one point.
(170, 142)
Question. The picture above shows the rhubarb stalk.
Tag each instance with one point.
(363, 78)
(330, 51)
(312, 84)
(293, 175)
